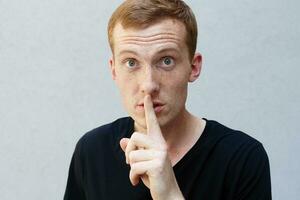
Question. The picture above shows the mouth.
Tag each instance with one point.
(157, 106)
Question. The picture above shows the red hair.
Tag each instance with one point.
(143, 13)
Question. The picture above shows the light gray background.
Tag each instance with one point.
(55, 84)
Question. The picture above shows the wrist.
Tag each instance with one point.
(175, 195)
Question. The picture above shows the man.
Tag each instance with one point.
(162, 151)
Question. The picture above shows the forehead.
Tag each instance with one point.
(168, 33)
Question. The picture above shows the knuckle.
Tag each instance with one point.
(131, 156)
(127, 150)
(130, 146)
(133, 168)
(131, 174)
(135, 135)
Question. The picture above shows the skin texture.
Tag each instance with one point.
(152, 69)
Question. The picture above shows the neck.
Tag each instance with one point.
(180, 131)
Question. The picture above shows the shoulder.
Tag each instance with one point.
(235, 148)
(241, 160)
(106, 134)
(245, 162)
(229, 140)
(232, 147)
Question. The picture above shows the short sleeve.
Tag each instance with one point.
(250, 174)
(74, 189)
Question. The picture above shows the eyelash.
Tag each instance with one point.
(172, 64)
(159, 64)
(128, 60)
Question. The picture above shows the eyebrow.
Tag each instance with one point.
(127, 52)
(162, 50)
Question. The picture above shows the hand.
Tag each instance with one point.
(148, 158)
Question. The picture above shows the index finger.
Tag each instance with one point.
(151, 120)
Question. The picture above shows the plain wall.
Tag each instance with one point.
(55, 84)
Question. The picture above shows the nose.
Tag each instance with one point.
(150, 81)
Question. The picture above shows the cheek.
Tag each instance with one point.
(127, 87)
(176, 88)
(176, 81)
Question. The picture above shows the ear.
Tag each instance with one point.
(196, 67)
(112, 68)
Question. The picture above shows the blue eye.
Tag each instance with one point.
(131, 63)
(167, 61)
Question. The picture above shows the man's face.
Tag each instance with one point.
(154, 61)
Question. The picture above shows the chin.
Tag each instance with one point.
(164, 121)
(140, 122)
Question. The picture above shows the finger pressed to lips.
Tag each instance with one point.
(158, 108)
(151, 120)
(140, 140)
(141, 149)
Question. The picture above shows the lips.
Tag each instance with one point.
(158, 106)
(155, 104)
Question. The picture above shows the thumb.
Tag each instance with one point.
(123, 143)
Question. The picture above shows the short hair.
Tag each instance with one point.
(143, 13)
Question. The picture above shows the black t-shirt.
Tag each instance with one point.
(224, 164)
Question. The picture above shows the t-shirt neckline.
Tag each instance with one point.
(190, 152)
(195, 147)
